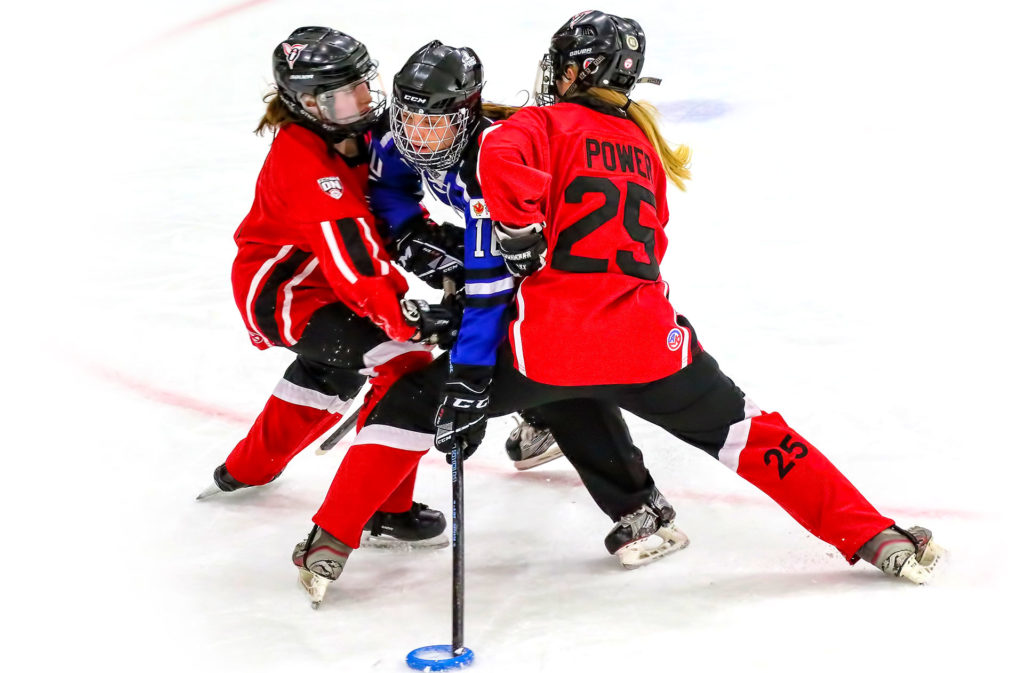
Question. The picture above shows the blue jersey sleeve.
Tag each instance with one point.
(489, 286)
(395, 190)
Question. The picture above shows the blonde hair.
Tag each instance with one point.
(498, 111)
(675, 160)
(275, 116)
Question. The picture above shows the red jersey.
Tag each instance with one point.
(309, 241)
(598, 312)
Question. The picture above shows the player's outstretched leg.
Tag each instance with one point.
(530, 443)
(767, 452)
(646, 535)
(910, 554)
(283, 429)
(320, 559)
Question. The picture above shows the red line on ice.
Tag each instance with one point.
(166, 397)
(560, 478)
(207, 19)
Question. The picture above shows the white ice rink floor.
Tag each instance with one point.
(848, 250)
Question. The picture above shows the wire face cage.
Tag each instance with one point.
(430, 141)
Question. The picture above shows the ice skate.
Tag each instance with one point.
(530, 444)
(320, 559)
(910, 554)
(418, 528)
(646, 535)
(223, 482)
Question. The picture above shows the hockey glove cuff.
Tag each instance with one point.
(462, 415)
(524, 249)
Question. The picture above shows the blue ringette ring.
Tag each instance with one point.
(438, 658)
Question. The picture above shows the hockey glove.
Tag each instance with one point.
(431, 251)
(434, 323)
(462, 416)
(524, 248)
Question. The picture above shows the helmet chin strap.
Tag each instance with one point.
(575, 88)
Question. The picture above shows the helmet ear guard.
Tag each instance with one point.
(609, 51)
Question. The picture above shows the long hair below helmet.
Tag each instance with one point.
(675, 160)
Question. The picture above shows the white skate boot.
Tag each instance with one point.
(320, 559)
(910, 554)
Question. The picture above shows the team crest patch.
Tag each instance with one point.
(478, 209)
(675, 339)
(291, 52)
(331, 186)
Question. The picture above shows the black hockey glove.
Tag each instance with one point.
(431, 251)
(462, 416)
(523, 248)
(434, 323)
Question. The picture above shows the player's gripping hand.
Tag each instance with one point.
(431, 251)
(462, 415)
(434, 323)
(524, 249)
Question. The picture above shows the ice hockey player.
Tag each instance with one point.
(542, 173)
(436, 121)
(311, 275)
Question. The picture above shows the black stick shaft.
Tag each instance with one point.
(458, 551)
(339, 434)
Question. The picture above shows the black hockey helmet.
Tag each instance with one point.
(436, 98)
(327, 67)
(608, 49)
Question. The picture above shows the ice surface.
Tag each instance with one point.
(848, 249)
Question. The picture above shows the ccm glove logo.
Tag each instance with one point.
(469, 404)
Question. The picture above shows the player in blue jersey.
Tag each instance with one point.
(437, 152)
(437, 119)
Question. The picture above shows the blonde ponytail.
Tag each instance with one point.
(498, 111)
(675, 160)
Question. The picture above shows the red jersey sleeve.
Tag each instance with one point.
(518, 151)
(354, 263)
(327, 198)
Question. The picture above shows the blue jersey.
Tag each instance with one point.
(395, 192)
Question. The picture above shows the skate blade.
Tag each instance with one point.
(667, 540)
(368, 541)
(923, 570)
(315, 586)
(552, 453)
(212, 489)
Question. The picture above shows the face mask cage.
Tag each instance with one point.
(544, 91)
(430, 141)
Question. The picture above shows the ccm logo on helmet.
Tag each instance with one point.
(414, 99)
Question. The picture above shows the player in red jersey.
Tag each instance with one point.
(312, 275)
(577, 193)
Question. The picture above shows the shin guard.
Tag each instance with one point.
(765, 451)
(369, 476)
